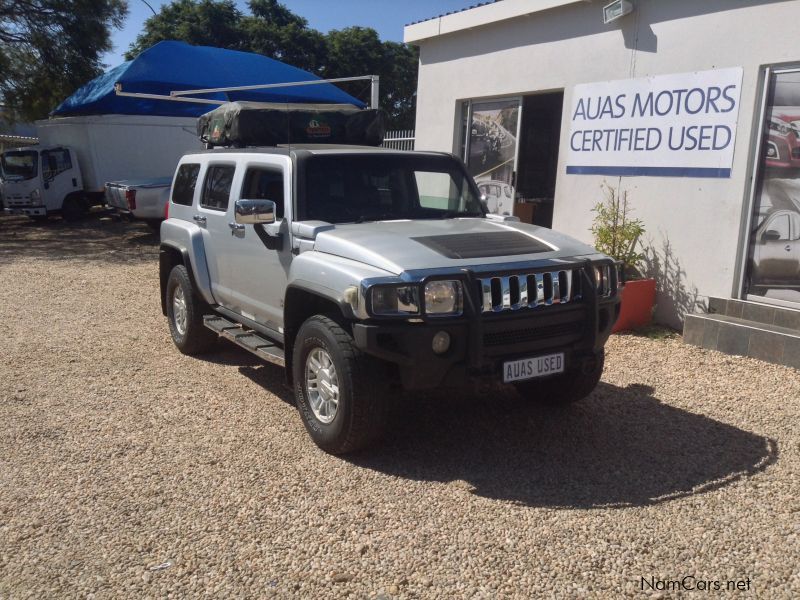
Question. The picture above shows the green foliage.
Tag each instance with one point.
(198, 22)
(273, 30)
(49, 48)
(615, 232)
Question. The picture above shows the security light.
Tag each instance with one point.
(615, 10)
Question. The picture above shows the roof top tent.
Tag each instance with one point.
(138, 119)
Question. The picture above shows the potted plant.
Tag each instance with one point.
(617, 234)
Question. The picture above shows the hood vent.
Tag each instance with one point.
(483, 245)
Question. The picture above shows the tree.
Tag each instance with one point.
(49, 48)
(275, 31)
(359, 51)
(197, 22)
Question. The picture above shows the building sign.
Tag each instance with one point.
(681, 125)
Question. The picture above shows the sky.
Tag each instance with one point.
(387, 17)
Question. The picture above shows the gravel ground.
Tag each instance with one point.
(129, 470)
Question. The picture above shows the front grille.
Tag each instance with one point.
(528, 290)
(532, 334)
(532, 290)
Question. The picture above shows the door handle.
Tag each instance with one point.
(236, 227)
(199, 219)
(788, 248)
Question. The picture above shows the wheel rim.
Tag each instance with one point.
(179, 310)
(322, 385)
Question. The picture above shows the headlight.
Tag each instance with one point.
(395, 300)
(601, 279)
(443, 298)
(36, 194)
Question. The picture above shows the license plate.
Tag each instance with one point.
(528, 368)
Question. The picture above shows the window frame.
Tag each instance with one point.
(280, 212)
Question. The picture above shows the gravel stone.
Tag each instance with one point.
(118, 454)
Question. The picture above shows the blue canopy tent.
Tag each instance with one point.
(174, 66)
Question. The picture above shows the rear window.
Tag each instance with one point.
(217, 187)
(185, 180)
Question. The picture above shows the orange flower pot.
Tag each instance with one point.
(638, 299)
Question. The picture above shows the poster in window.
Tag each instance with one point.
(492, 152)
(773, 266)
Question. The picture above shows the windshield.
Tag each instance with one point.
(19, 164)
(372, 187)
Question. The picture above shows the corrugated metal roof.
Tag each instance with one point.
(452, 12)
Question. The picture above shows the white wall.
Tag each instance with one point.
(692, 223)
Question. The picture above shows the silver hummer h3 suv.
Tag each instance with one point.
(364, 270)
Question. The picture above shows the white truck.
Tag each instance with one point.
(67, 173)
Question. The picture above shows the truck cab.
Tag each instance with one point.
(42, 181)
(365, 271)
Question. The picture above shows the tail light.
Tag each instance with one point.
(166, 210)
(130, 198)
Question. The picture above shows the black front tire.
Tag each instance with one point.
(186, 323)
(564, 389)
(74, 208)
(363, 390)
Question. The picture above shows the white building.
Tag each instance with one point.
(502, 84)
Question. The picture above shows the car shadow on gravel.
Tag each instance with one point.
(268, 376)
(620, 447)
(98, 237)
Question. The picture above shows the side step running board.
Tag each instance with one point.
(246, 338)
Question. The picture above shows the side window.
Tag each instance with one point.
(185, 180)
(55, 162)
(264, 184)
(780, 224)
(795, 226)
(217, 187)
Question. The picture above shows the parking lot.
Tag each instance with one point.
(128, 469)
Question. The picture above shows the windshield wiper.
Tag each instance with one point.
(372, 219)
(454, 214)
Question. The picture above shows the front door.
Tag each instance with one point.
(59, 178)
(260, 259)
(776, 253)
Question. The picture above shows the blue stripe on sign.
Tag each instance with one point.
(662, 171)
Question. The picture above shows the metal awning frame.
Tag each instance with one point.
(180, 95)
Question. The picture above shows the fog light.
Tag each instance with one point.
(441, 342)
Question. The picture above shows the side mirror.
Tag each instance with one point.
(254, 212)
(770, 235)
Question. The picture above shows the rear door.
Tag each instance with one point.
(212, 216)
(259, 262)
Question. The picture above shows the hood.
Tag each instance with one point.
(397, 246)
